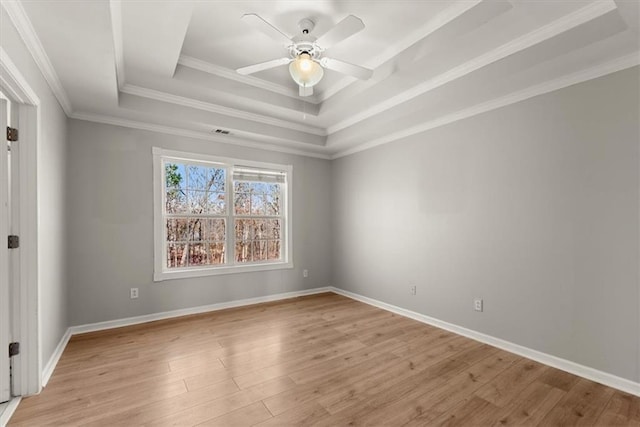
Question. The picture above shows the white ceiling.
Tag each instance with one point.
(169, 65)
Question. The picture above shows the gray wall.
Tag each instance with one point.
(111, 227)
(533, 207)
(52, 149)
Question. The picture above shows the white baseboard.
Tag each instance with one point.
(592, 374)
(118, 323)
(110, 324)
(55, 357)
(8, 411)
(547, 359)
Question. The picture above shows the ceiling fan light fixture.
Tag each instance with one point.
(305, 71)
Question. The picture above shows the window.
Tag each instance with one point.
(219, 215)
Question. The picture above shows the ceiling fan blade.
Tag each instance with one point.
(341, 31)
(305, 90)
(257, 22)
(346, 68)
(263, 66)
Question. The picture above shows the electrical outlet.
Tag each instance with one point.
(477, 304)
(134, 293)
(305, 273)
(413, 289)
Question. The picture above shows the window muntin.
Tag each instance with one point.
(220, 216)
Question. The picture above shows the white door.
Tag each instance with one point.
(5, 328)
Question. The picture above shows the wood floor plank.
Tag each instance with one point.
(308, 392)
(359, 391)
(365, 389)
(510, 383)
(531, 406)
(346, 314)
(625, 405)
(388, 406)
(215, 408)
(62, 396)
(262, 338)
(582, 405)
(558, 379)
(461, 386)
(303, 415)
(394, 327)
(306, 375)
(109, 375)
(364, 324)
(426, 403)
(196, 381)
(321, 360)
(265, 355)
(472, 411)
(192, 362)
(69, 414)
(429, 338)
(257, 360)
(246, 416)
(306, 361)
(138, 412)
(611, 419)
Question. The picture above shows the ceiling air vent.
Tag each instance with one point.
(221, 131)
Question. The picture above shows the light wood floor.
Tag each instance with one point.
(322, 360)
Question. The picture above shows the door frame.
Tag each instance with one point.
(27, 366)
(5, 253)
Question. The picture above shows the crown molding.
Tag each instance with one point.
(440, 20)
(226, 73)
(559, 26)
(115, 7)
(16, 86)
(603, 69)
(170, 130)
(20, 20)
(215, 108)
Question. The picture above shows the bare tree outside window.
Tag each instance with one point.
(196, 217)
(195, 211)
(258, 232)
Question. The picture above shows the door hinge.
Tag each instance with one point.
(12, 134)
(14, 242)
(14, 349)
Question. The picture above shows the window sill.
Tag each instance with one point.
(203, 272)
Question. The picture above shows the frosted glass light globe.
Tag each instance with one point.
(305, 71)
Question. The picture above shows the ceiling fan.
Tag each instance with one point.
(306, 53)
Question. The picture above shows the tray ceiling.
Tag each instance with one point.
(169, 66)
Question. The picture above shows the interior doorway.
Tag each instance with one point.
(19, 284)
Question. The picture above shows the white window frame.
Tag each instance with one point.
(161, 272)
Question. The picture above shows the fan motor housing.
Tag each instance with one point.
(305, 42)
(304, 46)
